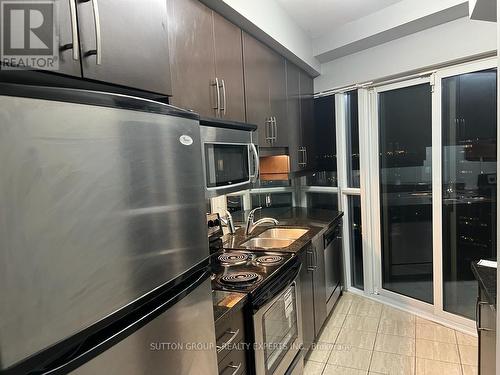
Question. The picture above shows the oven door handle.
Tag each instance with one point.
(277, 287)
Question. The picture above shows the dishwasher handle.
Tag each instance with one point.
(331, 235)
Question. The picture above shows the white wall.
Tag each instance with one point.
(451, 41)
(269, 22)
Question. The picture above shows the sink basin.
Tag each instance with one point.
(283, 233)
(267, 243)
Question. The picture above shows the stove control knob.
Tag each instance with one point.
(210, 223)
(216, 222)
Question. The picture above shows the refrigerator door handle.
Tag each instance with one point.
(94, 344)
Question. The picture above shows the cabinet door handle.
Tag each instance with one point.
(275, 129)
(228, 342)
(236, 368)
(310, 261)
(74, 30)
(302, 157)
(269, 136)
(305, 156)
(223, 101)
(215, 84)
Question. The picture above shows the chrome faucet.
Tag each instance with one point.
(251, 225)
(228, 221)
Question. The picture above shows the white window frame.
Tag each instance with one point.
(374, 260)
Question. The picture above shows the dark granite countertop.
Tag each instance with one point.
(487, 278)
(316, 220)
(226, 303)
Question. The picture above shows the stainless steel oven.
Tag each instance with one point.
(277, 323)
(230, 159)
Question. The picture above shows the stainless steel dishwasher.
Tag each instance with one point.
(332, 242)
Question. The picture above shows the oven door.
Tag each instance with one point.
(278, 328)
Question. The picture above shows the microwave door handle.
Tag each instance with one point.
(255, 174)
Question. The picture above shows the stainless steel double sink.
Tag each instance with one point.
(275, 238)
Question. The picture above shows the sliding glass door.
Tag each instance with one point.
(469, 180)
(433, 188)
(405, 184)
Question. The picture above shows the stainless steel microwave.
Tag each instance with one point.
(230, 158)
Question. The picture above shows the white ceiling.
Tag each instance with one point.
(317, 17)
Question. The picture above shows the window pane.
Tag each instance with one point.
(405, 139)
(355, 241)
(325, 145)
(327, 201)
(352, 136)
(272, 199)
(469, 110)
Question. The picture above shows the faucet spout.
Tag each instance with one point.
(251, 224)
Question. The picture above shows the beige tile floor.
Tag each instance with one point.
(366, 337)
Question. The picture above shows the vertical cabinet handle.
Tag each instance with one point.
(305, 156)
(74, 30)
(275, 129)
(302, 157)
(223, 101)
(269, 131)
(310, 260)
(215, 84)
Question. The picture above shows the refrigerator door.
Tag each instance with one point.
(98, 206)
(180, 341)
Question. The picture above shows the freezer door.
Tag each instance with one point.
(98, 207)
(180, 341)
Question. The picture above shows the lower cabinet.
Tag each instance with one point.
(486, 327)
(316, 289)
(313, 293)
(230, 332)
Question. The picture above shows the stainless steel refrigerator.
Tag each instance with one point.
(103, 245)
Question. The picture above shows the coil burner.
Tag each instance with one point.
(269, 260)
(236, 278)
(233, 259)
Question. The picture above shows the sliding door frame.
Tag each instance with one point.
(378, 290)
(374, 248)
(437, 181)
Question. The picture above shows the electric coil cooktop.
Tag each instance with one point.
(245, 271)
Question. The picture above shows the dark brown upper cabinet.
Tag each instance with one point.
(125, 42)
(301, 129)
(307, 126)
(265, 92)
(206, 61)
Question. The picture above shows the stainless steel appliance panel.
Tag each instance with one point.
(156, 347)
(99, 206)
(269, 322)
(223, 136)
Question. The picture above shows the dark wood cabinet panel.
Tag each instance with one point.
(293, 113)
(307, 119)
(133, 44)
(277, 98)
(229, 68)
(192, 59)
(256, 64)
(307, 298)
